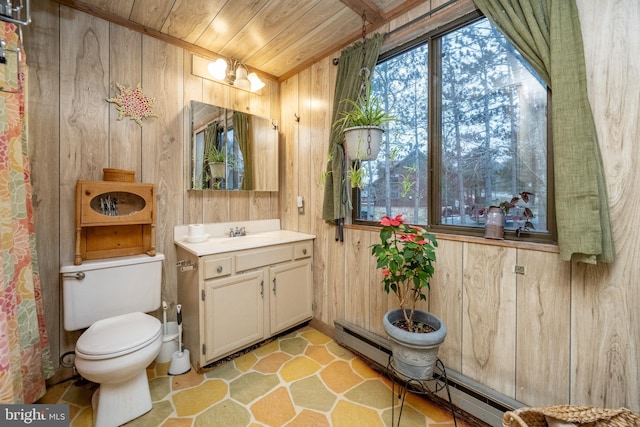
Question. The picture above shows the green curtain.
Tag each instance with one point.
(210, 141)
(241, 131)
(348, 83)
(547, 33)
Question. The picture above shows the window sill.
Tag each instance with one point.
(518, 244)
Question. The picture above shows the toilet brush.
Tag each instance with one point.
(180, 362)
(164, 318)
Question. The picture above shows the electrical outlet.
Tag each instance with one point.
(300, 204)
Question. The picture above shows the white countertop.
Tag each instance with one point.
(259, 234)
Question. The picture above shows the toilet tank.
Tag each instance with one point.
(103, 288)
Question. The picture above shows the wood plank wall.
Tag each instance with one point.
(74, 63)
(561, 333)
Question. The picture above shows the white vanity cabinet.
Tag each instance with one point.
(233, 314)
(234, 299)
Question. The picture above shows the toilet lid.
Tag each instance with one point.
(118, 335)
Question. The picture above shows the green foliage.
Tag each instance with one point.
(356, 175)
(405, 255)
(214, 155)
(407, 183)
(325, 174)
(367, 110)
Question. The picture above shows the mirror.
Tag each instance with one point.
(231, 150)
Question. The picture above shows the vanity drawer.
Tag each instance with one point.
(302, 250)
(217, 267)
(248, 260)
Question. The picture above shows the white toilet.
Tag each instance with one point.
(111, 297)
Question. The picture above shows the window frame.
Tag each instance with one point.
(433, 39)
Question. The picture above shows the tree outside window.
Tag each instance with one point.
(490, 112)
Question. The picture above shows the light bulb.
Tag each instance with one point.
(242, 82)
(218, 69)
(256, 83)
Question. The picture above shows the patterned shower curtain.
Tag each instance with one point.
(25, 360)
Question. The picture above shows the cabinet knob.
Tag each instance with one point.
(219, 269)
(304, 251)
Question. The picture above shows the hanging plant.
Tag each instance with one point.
(356, 175)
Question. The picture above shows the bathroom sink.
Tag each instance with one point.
(243, 240)
(221, 244)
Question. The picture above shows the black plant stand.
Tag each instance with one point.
(421, 387)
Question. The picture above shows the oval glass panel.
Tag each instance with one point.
(117, 203)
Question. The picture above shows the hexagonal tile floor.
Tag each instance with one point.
(302, 379)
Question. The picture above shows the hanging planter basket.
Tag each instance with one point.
(217, 169)
(362, 142)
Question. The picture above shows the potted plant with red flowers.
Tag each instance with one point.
(406, 255)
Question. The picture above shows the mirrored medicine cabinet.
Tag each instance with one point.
(231, 150)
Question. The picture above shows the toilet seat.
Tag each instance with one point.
(117, 336)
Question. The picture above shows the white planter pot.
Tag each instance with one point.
(218, 170)
(414, 354)
(362, 142)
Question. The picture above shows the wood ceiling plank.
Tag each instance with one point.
(189, 19)
(231, 19)
(271, 20)
(342, 43)
(318, 16)
(340, 26)
(151, 13)
(268, 35)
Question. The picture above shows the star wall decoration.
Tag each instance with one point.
(133, 103)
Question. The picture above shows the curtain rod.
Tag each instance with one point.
(412, 22)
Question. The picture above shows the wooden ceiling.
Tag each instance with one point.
(277, 37)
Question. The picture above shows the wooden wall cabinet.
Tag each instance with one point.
(235, 299)
(114, 219)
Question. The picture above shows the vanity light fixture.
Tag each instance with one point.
(229, 71)
(256, 83)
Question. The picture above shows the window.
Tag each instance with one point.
(471, 132)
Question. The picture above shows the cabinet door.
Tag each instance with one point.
(110, 203)
(234, 309)
(489, 316)
(291, 294)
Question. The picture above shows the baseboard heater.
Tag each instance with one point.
(468, 395)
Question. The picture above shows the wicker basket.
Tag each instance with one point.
(578, 415)
(120, 175)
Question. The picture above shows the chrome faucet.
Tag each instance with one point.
(238, 232)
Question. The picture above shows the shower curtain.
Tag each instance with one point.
(25, 360)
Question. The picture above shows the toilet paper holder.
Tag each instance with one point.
(186, 265)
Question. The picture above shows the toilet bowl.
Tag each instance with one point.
(114, 353)
(111, 298)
